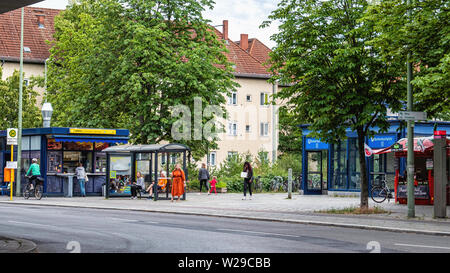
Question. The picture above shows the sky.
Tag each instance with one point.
(244, 17)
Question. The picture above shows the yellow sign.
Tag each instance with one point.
(92, 131)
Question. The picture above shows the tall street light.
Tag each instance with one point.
(19, 135)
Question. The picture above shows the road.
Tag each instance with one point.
(63, 230)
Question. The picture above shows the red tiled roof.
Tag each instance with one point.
(246, 63)
(34, 37)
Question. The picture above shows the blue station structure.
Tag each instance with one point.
(334, 168)
(59, 150)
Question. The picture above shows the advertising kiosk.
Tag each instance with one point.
(423, 170)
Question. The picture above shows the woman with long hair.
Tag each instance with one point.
(248, 180)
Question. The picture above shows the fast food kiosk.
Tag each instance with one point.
(423, 170)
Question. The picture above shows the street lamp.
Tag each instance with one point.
(47, 111)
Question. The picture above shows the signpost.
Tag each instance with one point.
(11, 139)
(412, 116)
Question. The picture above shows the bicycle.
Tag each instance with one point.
(379, 193)
(37, 191)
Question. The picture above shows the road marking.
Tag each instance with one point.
(258, 232)
(30, 224)
(439, 247)
(132, 220)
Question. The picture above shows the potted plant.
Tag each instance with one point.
(221, 187)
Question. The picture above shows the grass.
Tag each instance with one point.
(356, 210)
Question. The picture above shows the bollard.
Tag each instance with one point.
(290, 184)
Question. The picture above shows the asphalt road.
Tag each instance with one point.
(64, 230)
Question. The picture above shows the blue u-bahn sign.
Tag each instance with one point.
(315, 144)
(382, 141)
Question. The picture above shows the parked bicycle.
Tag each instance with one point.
(380, 192)
(37, 190)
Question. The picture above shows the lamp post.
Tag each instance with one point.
(19, 133)
(47, 111)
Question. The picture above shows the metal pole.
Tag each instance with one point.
(410, 159)
(19, 133)
(274, 125)
(290, 184)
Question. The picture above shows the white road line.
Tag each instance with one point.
(132, 220)
(257, 232)
(30, 224)
(438, 247)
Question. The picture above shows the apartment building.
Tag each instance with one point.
(251, 124)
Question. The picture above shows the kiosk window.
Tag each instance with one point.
(54, 162)
(100, 162)
(71, 160)
(25, 143)
(35, 143)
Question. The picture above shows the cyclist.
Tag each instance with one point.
(35, 171)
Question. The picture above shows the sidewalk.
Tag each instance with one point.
(269, 206)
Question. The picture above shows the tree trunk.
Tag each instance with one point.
(362, 163)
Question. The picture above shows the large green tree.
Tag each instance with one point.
(9, 103)
(337, 81)
(125, 63)
(425, 34)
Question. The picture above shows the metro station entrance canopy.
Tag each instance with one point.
(9, 5)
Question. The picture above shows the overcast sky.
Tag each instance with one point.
(244, 16)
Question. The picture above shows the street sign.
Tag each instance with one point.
(11, 164)
(409, 115)
(11, 137)
(396, 147)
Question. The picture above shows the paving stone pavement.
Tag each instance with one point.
(304, 209)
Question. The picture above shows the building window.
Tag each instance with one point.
(264, 130)
(232, 155)
(247, 129)
(232, 129)
(249, 98)
(232, 99)
(212, 158)
(264, 99)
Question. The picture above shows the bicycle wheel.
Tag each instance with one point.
(378, 194)
(38, 192)
(26, 192)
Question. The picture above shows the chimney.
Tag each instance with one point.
(244, 41)
(225, 29)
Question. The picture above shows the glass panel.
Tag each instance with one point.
(340, 166)
(86, 159)
(25, 161)
(53, 145)
(78, 146)
(2, 143)
(354, 166)
(325, 170)
(120, 172)
(314, 171)
(25, 143)
(35, 143)
(70, 161)
(54, 162)
(100, 162)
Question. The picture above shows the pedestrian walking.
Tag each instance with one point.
(213, 183)
(203, 177)
(81, 177)
(247, 174)
(178, 182)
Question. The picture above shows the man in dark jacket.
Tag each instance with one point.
(203, 177)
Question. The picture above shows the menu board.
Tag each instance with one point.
(421, 191)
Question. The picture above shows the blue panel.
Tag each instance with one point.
(428, 129)
(315, 144)
(381, 141)
(122, 140)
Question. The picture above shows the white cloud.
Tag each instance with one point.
(244, 17)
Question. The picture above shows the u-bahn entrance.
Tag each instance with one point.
(316, 162)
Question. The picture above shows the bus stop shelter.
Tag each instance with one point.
(125, 161)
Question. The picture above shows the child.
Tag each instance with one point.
(213, 183)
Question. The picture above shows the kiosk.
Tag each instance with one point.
(125, 161)
(423, 170)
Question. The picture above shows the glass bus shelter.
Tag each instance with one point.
(154, 162)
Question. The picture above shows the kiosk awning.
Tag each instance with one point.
(102, 139)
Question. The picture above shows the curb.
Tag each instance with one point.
(25, 246)
(295, 221)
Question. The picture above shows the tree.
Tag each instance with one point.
(9, 103)
(426, 35)
(337, 81)
(125, 63)
(290, 134)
